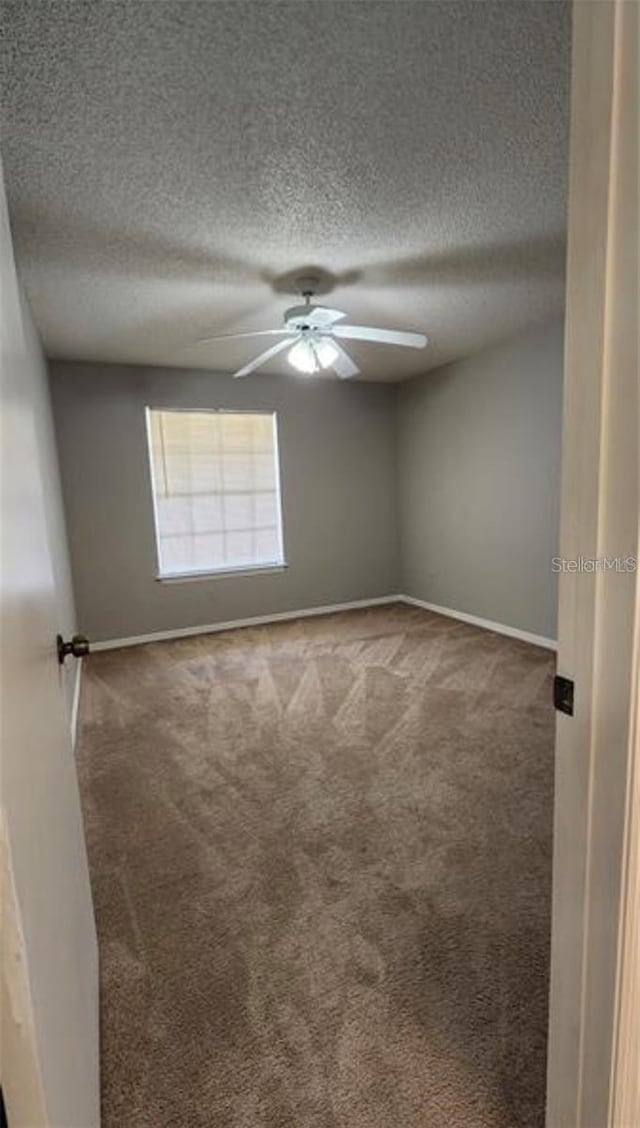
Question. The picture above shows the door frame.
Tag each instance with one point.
(596, 874)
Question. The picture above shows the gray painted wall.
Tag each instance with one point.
(479, 482)
(337, 450)
(445, 488)
(40, 405)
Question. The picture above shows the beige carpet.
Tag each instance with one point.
(320, 855)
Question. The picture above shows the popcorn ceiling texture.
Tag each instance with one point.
(167, 163)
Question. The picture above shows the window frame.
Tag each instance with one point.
(227, 570)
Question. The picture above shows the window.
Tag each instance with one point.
(216, 491)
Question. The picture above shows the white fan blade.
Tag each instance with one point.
(241, 336)
(321, 317)
(262, 358)
(343, 364)
(381, 336)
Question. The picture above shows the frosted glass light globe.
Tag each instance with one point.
(309, 355)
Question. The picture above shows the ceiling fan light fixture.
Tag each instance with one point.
(302, 357)
(311, 356)
(326, 352)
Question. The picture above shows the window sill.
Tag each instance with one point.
(243, 570)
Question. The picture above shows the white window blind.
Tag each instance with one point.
(216, 491)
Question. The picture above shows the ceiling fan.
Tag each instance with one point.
(312, 335)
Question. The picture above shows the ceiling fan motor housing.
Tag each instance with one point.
(298, 316)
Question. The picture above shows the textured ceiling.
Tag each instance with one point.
(169, 164)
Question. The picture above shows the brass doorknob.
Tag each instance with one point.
(78, 646)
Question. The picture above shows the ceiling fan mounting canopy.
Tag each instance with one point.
(307, 285)
(312, 335)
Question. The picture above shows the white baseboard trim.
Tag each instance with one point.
(305, 613)
(485, 624)
(256, 621)
(75, 702)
